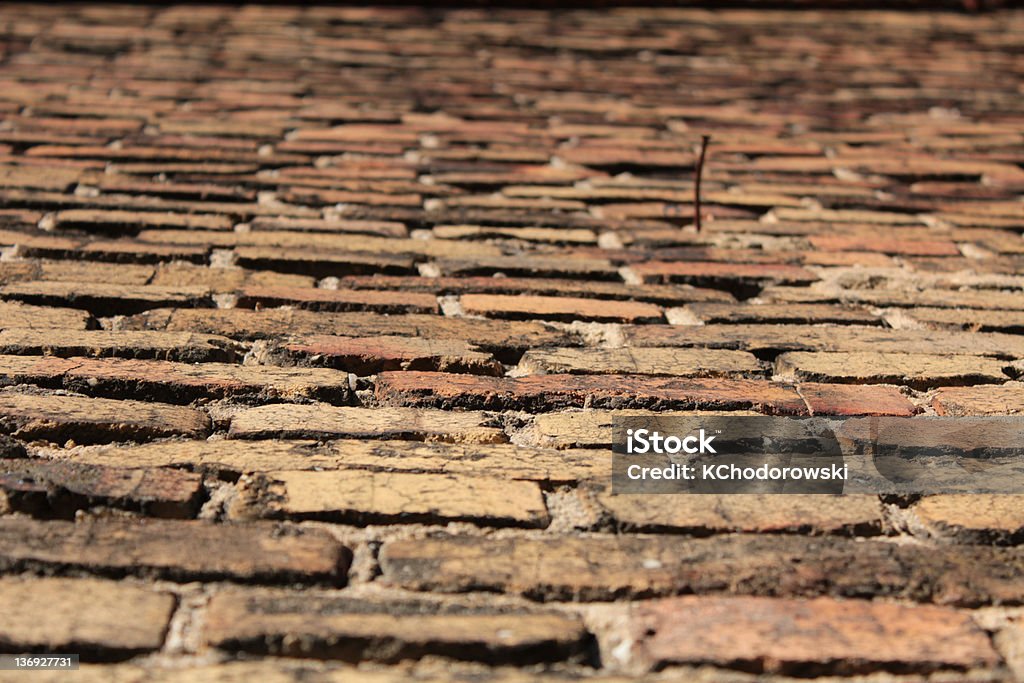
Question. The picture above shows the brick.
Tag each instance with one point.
(106, 299)
(360, 497)
(815, 637)
(228, 280)
(675, 362)
(95, 618)
(380, 228)
(176, 550)
(1004, 399)
(504, 338)
(133, 221)
(526, 266)
(171, 382)
(706, 514)
(16, 315)
(1011, 322)
(321, 625)
(185, 347)
(93, 271)
(370, 355)
(760, 339)
(551, 235)
(58, 179)
(230, 457)
(885, 245)
(559, 308)
(325, 422)
(319, 263)
(588, 289)
(552, 392)
(95, 420)
(606, 567)
(723, 275)
(338, 300)
(967, 518)
(843, 399)
(47, 487)
(921, 371)
(800, 314)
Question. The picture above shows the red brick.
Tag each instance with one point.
(552, 392)
(1005, 399)
(58, 488)
(814, 637)
(885, 245)
(559, 308)
(842, 399)
(719, 275)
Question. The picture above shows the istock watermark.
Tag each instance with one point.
(763, 454)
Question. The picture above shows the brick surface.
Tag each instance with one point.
(324, 422)
(405, 266)
(641, 361)
(97, 619)
(382, 497)
(23, 316)
(170, 382)
(369, 355)
(703, 514)
(817, 636)
(635, 566)
(840, 399)
(95, 420)
(177, 346)
(45, 487)
(922, 371)
(551, 392)
(559, 308)
(1005, 399)
(175, 550)
(322, 625)
(972, 518)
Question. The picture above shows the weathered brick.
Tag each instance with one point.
(968, 518)
(324, 422)
(845, 399)
(773, 338)
(1011, 322)
(551, 392)
(362, 497)
(104, 299)
(179, 274)
(180, 346)
(883, 244)
(676, 362)
(174, 549)
(783, 314)
(526, 266)
(58, 488)
(14, 314)
(723, 275)
(95, 420)
(369, 355)
(338, 300)
(133, 221)
(171, 382)
(321, 263)
(706, 514)
(612, 567)
(921, 371)
(308, 624)
(1004, 399)
(59, 179)
(504, 338)
(559, 308)
(94, 618)
(813, 637)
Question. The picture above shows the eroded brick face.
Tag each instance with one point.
(314, 322)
